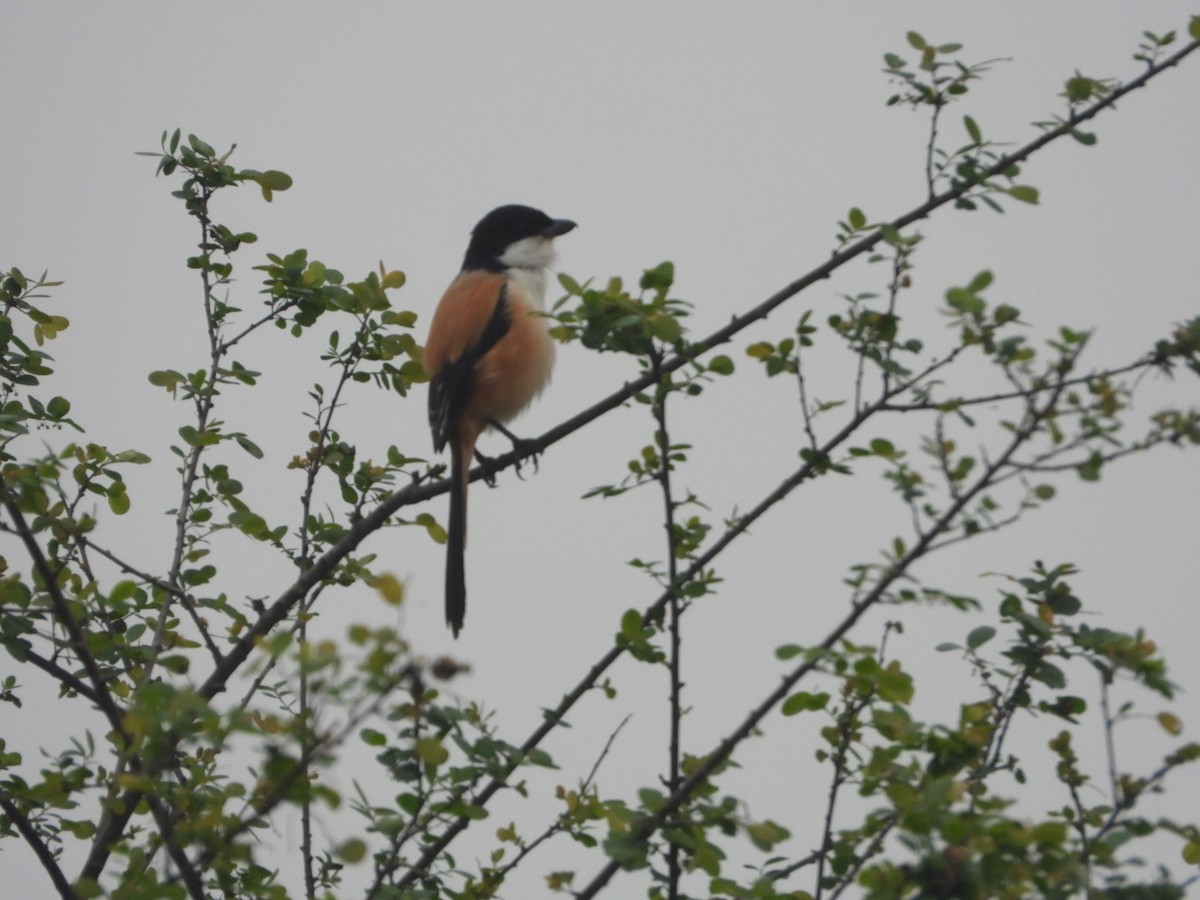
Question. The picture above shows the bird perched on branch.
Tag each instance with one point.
(488, 356)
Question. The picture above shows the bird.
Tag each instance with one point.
(488, 355)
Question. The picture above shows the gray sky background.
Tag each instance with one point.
(728, 138)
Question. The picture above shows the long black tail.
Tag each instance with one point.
(456, 579)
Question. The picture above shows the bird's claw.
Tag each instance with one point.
(488, 464)
(529, 452)
(523, 446)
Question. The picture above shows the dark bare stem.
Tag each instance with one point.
(847, 724)
(663, 439)
(930, 179)
(348, 364)
(272, 316)
(203, 399)
(1110, 748)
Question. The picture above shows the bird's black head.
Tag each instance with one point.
(513, 236)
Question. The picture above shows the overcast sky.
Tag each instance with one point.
(728, 138)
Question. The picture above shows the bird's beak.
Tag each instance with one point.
(557, 227)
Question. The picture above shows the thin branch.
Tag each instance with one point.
(225, 346)
(557, 826)
(61, 675)
(204, 400)
(1110, 749)
(101, 695)
(44, 854)
(1019, 392)
(663, 439)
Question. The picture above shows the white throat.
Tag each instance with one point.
(532, 284)
(526, 262)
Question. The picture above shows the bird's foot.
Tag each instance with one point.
(526, 448)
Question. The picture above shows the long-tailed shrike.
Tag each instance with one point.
(487, 355)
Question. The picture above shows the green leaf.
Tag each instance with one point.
(1170, 723)
(973, 129)
(631, 625)
(352, 851)
(803, 702)
(196, 438)
(651, 799)
(721, 365)
(660, 278)
(1050, 675)
(201, 147)
(980, 636)
(895, 685)
(980, 282)
(1079, 88)
(1191, 850)
(1065, 604)
(431, 752)
(964, 301)
(275, 180)
(118, 500)
(1023, 192)
(857, 219)
(373, 738)
(175, 663)
(883, 447)
(122, 591)
(915, 41)
(765, 835)
(1090, 470)
(248, 445)
(135, 457)
(760, 350)
(81, 830)
(166, 378)
(663, 327)
(390, 588)
(569, 284)
(1194, 32)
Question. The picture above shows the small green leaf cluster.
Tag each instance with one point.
(22, 365)
(935, 80)
(1182, 347)
(207, 172)
(697, 830)
(968, 169)
(440, 753)
(615, 320)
